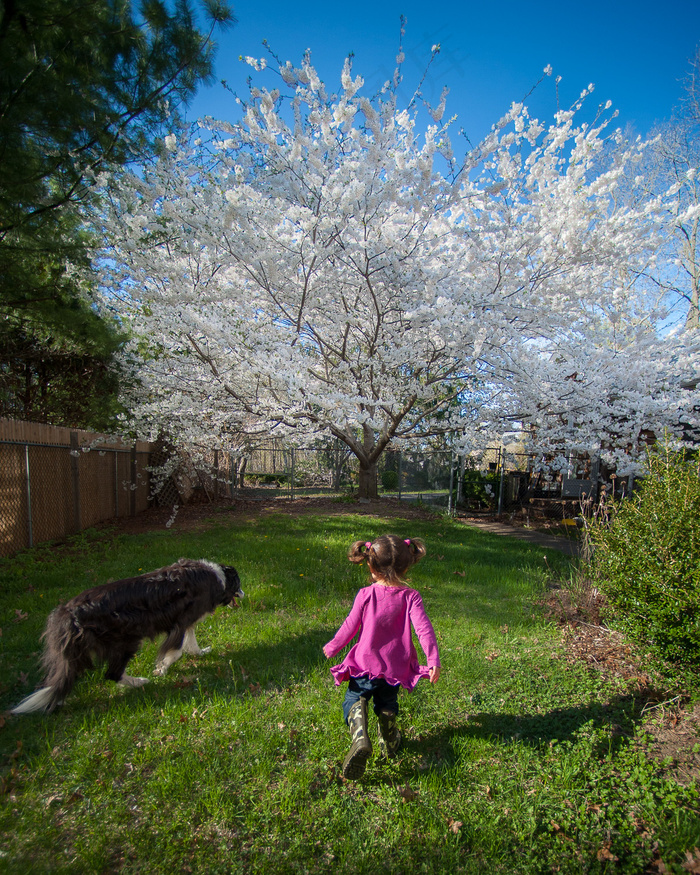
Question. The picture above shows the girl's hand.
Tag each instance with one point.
(327, 652)
(434, 674)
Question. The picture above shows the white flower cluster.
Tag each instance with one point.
(317, 273)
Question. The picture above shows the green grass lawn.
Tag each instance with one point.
(515, 762)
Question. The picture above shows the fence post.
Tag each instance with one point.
(400, 472)
(460, 482)
(30, 529)
(501, 461)
(292, 480)
(75, 479)
(116, 484)
(216, 474)
(452, 471)
(132, 485)
(595, 476)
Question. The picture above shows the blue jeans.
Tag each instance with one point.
(385, 695)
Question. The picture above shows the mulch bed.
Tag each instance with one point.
(193, 516)
(672, 729)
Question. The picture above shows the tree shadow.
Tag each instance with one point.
(619, 716)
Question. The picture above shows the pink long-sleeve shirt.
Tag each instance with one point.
(383, 616)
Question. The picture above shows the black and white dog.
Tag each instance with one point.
(110, 622)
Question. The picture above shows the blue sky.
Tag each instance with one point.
(636, 53)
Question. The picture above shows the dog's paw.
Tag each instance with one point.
(160, 670)
(128, 681)
(205, 650)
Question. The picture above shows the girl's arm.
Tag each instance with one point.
(426, 633)
(348, 630)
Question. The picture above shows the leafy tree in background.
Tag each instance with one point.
(84, 87)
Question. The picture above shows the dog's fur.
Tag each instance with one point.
(110, 622)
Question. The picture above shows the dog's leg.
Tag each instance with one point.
(170, 651)
(190, 645)
(117, 662)
(127, 681)
(166, 660)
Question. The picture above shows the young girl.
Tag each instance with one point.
(384, 658)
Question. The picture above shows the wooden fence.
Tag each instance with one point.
(55, 482)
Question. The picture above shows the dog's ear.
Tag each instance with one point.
(233, 581)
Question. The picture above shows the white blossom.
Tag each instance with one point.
(321, 272)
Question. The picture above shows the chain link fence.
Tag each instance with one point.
(495, 481)
(53, 484)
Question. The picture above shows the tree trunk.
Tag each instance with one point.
(368, 481)
(240, 471)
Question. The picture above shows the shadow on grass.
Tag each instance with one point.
(238, 671)
(232, 671)
(619, 717)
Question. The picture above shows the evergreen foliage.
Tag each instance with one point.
(84, 87)
(646, 557)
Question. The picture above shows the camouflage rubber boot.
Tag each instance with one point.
(389, 735)
(361, 747)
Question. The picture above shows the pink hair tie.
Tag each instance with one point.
(368, 544)
(407, 541)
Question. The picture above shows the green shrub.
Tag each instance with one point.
(480, 489)
(390, 480)
(267, 479)
(646, 558)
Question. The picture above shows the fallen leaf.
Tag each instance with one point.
(461, 573)
(605, 853)
(407, 794)
(181, 683)
(692, 861)
(454, 825)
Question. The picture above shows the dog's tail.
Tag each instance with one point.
(42, 700)
(66, 656)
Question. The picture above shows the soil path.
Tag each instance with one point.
(549, 542)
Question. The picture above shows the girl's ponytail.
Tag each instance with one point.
(388, 557)
(358, 551)
(417, 548)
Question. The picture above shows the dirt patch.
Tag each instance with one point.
(672, 729)
(195, 516)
